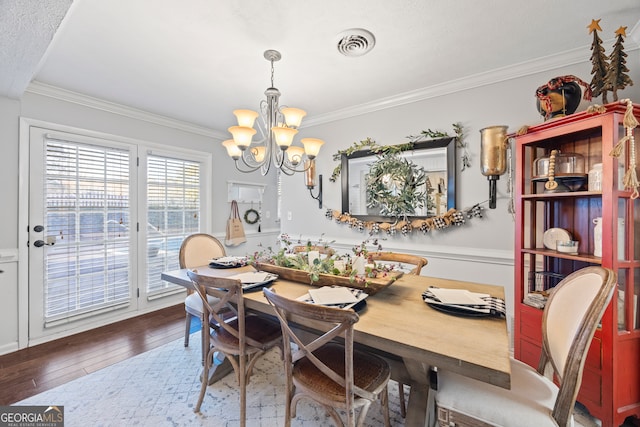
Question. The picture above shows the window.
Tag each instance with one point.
(87, 209)
(173, 212)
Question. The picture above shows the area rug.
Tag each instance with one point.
(160, 388)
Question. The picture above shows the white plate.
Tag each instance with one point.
(552, 235)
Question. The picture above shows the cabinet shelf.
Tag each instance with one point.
(556, 196)
(612, 363)
(575, 257)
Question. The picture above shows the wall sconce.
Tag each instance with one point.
(493, 157)
(310, 180)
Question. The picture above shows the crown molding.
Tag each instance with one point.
(523, 69)
(44, 89)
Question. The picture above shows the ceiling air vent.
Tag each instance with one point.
(355, 42)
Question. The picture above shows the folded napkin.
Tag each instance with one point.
(229, 260)
(492, 306)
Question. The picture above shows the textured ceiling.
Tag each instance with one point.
(196, 61)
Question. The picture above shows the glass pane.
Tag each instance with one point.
(87, 206)
(622, 280)
(173, 212)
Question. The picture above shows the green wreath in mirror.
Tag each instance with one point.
(251, 216)
(396, 185)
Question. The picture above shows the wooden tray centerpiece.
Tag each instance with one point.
(370, 285)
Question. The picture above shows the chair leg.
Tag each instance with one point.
(403, 407)
(203, 331)
(187, 327)
(384, 400)
(204, 381)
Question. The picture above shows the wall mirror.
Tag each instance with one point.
(438, 159)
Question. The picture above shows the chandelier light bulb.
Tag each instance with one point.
(242, 136)
(283, 136)
(259, 153)
(294, 154)
(312, 146)
(246, 118)
(232, 149)
(293, 116)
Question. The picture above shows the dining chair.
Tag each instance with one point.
(196, 251)
(414, 264)
(242, 338)
(334, 375)
(570, 318)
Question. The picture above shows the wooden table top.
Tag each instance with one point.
(396, 320)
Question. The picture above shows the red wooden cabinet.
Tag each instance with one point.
(611, 381)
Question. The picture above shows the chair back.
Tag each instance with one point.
(416, 261)
(572, 313)
(229, 304)
(337, 322)
(198, 249)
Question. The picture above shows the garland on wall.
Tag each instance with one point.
(406, 226)
(381, 150)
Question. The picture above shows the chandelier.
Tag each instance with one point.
(278, 125)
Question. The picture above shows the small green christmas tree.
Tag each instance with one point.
(599, 61)
(617, 77)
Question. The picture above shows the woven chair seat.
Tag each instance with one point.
(258, 328)
(369, 372)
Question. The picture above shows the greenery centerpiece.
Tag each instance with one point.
(328, 269)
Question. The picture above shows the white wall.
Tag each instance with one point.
(482, 249)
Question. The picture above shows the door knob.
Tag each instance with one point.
(38, 228)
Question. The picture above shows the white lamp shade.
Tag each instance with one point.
(312, 146)
(294, 154)
(293, 116)
(283, 136)
(259, 153)
(246, 118)
(232, 149)
(242, 136)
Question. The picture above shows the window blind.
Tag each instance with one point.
(87, 211)
(173, 212)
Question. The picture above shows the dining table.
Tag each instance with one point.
(397, 323)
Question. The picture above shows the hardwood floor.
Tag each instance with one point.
(33, 370)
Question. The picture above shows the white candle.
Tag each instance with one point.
(312, 256)
(339, 264)
(358, 265)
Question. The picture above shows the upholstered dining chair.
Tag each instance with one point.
(570, 318)
(242, 338)
(413, 265)
(334, 375)
(196, 250)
